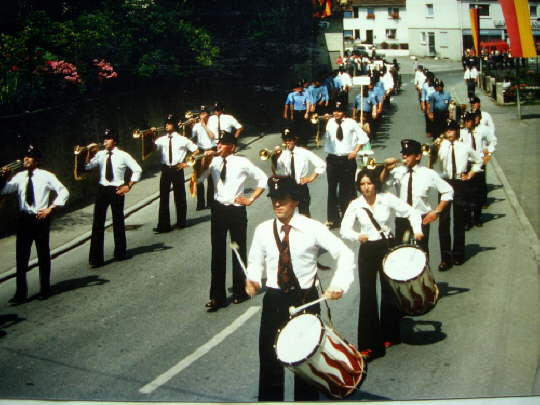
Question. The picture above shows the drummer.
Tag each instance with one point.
(375, 213)
(413, 182)
(284, 250)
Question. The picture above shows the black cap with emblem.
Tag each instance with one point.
(110, 133)
(283, 186)
(33, 152)
(410, 147)
(287, 134)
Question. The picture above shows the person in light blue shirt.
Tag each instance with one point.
(368, 105)
(318, 97)
(438, 103)
(296, 110)
(427, 90)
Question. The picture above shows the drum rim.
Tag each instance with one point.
(315, 348)
(426, 263)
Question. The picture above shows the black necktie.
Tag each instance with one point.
(219, 126)
(454, 168)
(473, 140)
(30, 199)
(409, 187)
(170, 150)
(339, 131)
(109, 175)
(223, 170)
(293, 171)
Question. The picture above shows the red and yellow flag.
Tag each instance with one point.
(475, 29)
(322, 8)
(518, 24)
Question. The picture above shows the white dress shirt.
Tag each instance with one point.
(471, 74)
(419, 79)
(423, 179)
(238, 170)
(353, 135)
(302, 160)
(44, 182)
(388, 81)
(226, 123)
(386, 207)
(346, 80)
(483, 138)
(180, 146)
(463, 153)
(307, 238)
(487, 120)
(204, 140)
(120, 162)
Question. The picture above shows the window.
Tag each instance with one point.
(532, 10)
(370, 13)
(423, 37)
(391, 34)
(429, 10)
(483, 9)
(348, 34)
(393, 12)
(443, 39)
(347, 14)
(355, 12)
(356, 34)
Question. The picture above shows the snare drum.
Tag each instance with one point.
(407, 271)
(320, 356)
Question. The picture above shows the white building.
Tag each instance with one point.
(443, 28)
(382, 23)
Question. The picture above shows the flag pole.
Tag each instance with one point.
(517, 88)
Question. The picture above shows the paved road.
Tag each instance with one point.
(137, 330)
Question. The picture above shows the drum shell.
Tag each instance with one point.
(416, 296)
(333, 366)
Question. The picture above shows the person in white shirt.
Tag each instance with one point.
(295, 161)
(206, 140)
(229, 173)
(33, 187)
(482, 140)
(285, 250)
(471, 80)
(220, 121)
(453, 160)
(485, 118)
(414, 182)
(419, 79)
(388, 82)
(346, 86)
(112, 188)
(343, 140)
(375, 213)
(173, 149)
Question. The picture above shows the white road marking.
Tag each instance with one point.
(201, 351)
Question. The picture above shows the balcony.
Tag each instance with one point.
(395, 16)
(370, 16)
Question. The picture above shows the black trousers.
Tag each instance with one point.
(340, 174)
(29, 230)
(209, 193)
(458, 206)
(105, 197)
(301, 127)
(375, 328)
(439, 123)
(234, 220)
(403, 225)
(171, 175)
(275, 314)
(471, 87)
(305, 199)
(477, 197)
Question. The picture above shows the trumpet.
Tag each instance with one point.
(81, 154)
(13, 166)
(191, 160)
(265, 154)
(189, 116)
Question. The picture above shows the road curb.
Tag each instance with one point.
(66, 247)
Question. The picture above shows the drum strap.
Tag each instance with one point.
(375, 223)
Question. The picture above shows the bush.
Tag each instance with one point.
(384, 45)
(394, 46)
(403, 46)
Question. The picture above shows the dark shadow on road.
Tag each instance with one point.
(358, 395)
(492, 187)
(493, 200)
(487, 217)
(76, 283)
(419, 333)
(529, 116)
(7, 321)
(195, 221)
(473, 249)
(155, 247)
(385, 125)
(446, 290)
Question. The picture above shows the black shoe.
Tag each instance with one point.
(96, 265)
(213, 306)
(122, 257)
(42, 296)
(468, 226)
(445, 266)
(478, 223)
(458, 261)
(158, 230)
(181, 225)
(240, 300)
(18, 299)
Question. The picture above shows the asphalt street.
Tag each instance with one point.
(137, 330)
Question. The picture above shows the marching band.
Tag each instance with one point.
(392, 209)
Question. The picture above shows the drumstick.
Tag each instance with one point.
(294, 310)
(234, 247)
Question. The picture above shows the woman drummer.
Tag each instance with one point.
(375, 213)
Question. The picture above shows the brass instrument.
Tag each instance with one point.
(199, 165)
(316, 120)
(81, 153)
(147, 138)
(265, 154)
(13, 166)
(189, 116)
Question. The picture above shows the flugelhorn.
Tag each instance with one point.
(13, 166)
(80, 153)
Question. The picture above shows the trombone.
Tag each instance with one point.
(82, 153)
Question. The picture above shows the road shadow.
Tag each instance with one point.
(487, 217)
(446, 290)
(529, 116)
(385, 125)
(195, 221)
(493, 200)
(473, 249)
(420, 333)
(7, 321)
(357, 395)
(76, 283)
(493, 187)
(155, 247)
